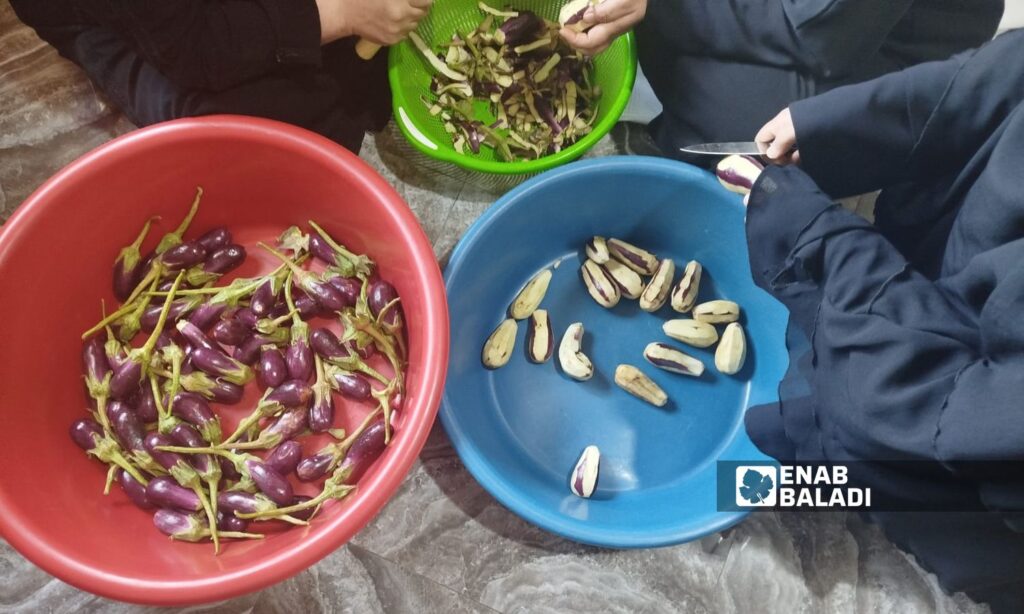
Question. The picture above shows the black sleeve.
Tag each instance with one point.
(823, 37)
(932, 381)
(217, 44)
(922, 122)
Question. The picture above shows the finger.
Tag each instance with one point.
(765, 136)
(569, 35)
(612, 10)
(780, 147)
(594, 40)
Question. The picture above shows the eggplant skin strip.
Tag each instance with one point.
(537, 90)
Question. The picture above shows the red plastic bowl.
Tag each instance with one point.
(55, 259)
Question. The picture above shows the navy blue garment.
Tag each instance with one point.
(722, 68)
(914, 324)
(157, 60)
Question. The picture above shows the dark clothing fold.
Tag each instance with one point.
(158, 61)
(722, 68)
(913, 342)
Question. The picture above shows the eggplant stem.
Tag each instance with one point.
(335, 492)
(137, 243)
(241, 535)
(294, 268)
(171, 239)
(296, 320)
(123, 463)
(293, 520)
(122, 311)
(150, 345)
(151, 279)
(210, 517)
(111, 471)
(338, 247)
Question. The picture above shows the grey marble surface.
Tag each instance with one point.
(443, 544)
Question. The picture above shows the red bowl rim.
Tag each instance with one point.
(382, 484)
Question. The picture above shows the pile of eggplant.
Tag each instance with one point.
(179, 346)
(513, 85)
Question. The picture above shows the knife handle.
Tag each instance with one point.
(366, 49)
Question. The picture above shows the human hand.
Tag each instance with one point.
(604, 22)
(384, 22)
(777, 139)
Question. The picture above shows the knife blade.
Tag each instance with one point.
(743, 148)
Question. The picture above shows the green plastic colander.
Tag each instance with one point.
(409, 74)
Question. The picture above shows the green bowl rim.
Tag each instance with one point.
(446, 153)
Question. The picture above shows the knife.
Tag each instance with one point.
(742, 148)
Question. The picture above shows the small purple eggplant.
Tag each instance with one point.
(186, 436)
(247, 317)
(183, 255)
(194, 335)
(321, 415)
(145, 407)
(179, 307)
(322, 250)
(352, 385)
(314, 467)
(367, 447)
(231, 332)
(228, 470)
(165, 492)
(285, 457)
(302, 514)
(126, 380)
(249, 352)
(299, 358)
(126, 426)
(327, 345)
(95, 365)
(327, 295)
(381, 296)
(204, 316)
(271, 370)
(289, 425)
(128, 266)
(215, 238)
(216, 390)
(307, 306)
(189, 528)
(365, 352)
(270, 483)
(193, 408)
(135, 490)
(184, 527)
(230, 522)
(225, 259)
(293, 393)
(264, 298)
(349, 287)
(232, 501)
(220, 365)
(88, 435)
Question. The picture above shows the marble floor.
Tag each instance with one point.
(442, 543)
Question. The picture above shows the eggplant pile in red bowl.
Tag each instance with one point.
(262, 359)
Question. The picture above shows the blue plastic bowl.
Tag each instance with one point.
(520, 429)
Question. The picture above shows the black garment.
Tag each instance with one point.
(916, 340)
(160, 60)
(722, 68)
